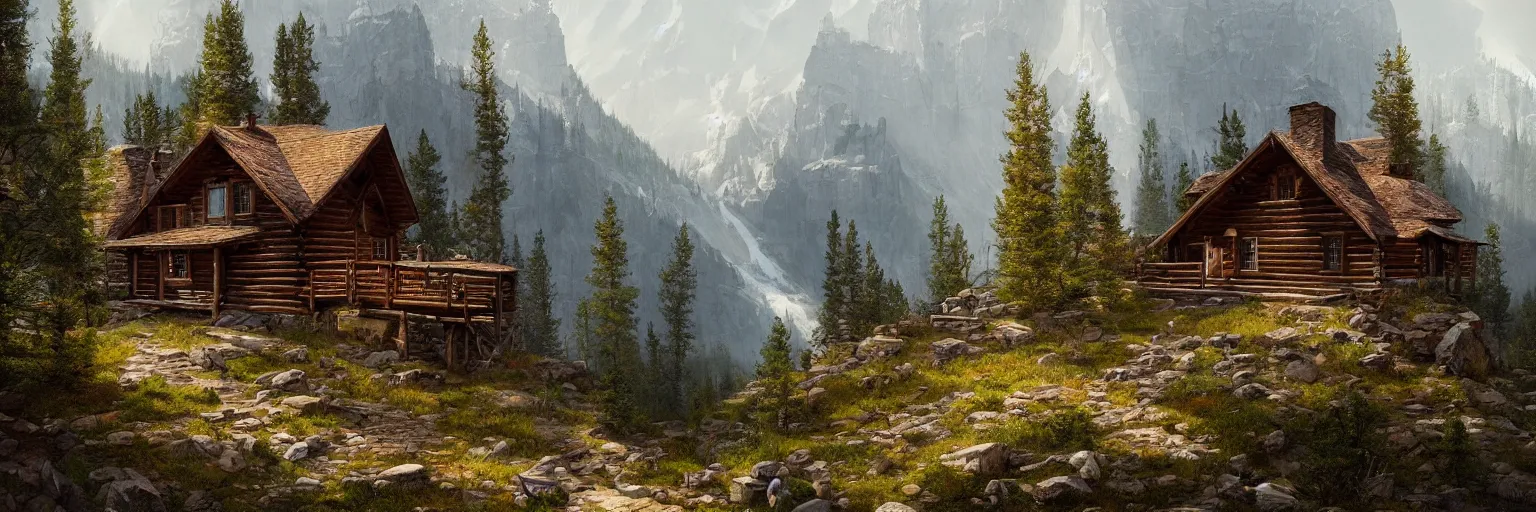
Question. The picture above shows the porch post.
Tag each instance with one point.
(1474, 266)
(496, 315)
(218, 279)
(133, 273)
(160, 276)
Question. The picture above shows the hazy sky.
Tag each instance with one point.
(129, 27)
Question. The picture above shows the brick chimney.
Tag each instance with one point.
(250, 120)
(1312, 126)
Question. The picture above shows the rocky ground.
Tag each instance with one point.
(1394, 403)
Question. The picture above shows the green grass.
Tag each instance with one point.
(1061, 430)
(155, 400)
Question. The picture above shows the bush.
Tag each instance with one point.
(1343, 447)
(1456, 450)
(1060, 430)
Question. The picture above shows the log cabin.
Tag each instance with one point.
(284, 219)
(1305, 215)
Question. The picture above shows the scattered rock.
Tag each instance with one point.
(406, 475)
(1092, 333)
(298, 451)
(1302, 370)
(891, 506)
(1061, 487)
(291, 381)
(982, 459)
(1378, 361)
(1087, 464)
(875, 347)
(746, 490)
(950, 348)
(381, 359)
(1281, 336)
(816, 505)
(1462, 352)
(232, 461)
(305, 404)
(1252, 391)
(298, 355)
(911, 490)
(131, 492)
(1275, 496)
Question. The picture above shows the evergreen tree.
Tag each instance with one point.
(482, 216)
(147, 124)
(541, 330)
(655, 379)
(227, 88)
(1181, 183)
(874, 308)
(19, 146)
(190, 112)
(581, 333)
(1492, 297)
(293, 76)
(1028, 240)
(831, 286)
(1395, 112)
(949, 259)
(435, 230)
(1090, 218)
(774, 373)
(1433, 173)
(852, 277)
(679, 283)
(612, 308)
(18, 114)
(1231, 145)
(1151, 194)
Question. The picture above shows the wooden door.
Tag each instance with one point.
(1215, 256)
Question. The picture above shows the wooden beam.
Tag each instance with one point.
(497, 314)
(133, 273)
(160, 276)
(403, 343)
(218, 279)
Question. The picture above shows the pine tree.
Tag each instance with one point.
(17, 111)
(655, 375)
(773, 373)
(1394, 110)
(612, 307)
(227, 88)
(1181, 183)
(1151, 194)
(679, 283)
(833, 299)
(190, 112)
(541, 334)
(949, 259)
(581, 333)
(19, 134)
(427, 189)
(1090, 218)
(852, 272)
(873, 310)
(1231, 145)
(1492, 297)
(1029, 243)
(144, 123)
(1433, 173)
(293, 76)
(482, 216)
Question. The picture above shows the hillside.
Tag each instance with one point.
(1208, 405)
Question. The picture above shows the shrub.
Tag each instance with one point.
(1343, 447)
(1457, 452)
(1060, 430)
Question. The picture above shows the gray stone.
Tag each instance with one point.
(950, 348)
(1087, 464)
(406, 474)
(875, 347)
(633, 491)
(746, 490)
(298, 451)
(1013, 334)
(232, 461)
(305, 481)
(291, 380)
(381, 359)
(1251, 391)
(1463, 352)
(123, 438)
(1302, 370)
(1273, 496)
(1281, 336)
(132, 492)
(305, 404)
(1052, 489)
(766, 470)
(298, 355)
(982, 459)
(891, 506)
(1377, 361)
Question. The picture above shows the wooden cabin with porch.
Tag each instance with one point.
(1306, 215)
(287, 220)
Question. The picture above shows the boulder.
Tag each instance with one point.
(298, 355)
(291, 380)
(746, 490)
(1092, 333)
(305, 404)
(877, 346)
(121, 438)
(1378, 361)
(1463, 352)
(1302, 370)
(1272, 496)
(1061, 487)
(208, 358)
(766, 470)
(633, 491)
(1013, 334)
(131, 492)
(891, 506)
(406, 475)
(1281, 336)
(983, 459)
(1087, 464)
(381, 359)
(813, 396)
(1251, 391)
(232, 461)
(956, 323)
(950, 348)
(297, 451)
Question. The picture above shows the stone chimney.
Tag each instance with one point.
(250, 120)
(1312, 127)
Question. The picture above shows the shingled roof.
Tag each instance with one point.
(298, 166)
(1352, 173)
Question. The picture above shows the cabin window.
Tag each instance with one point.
(178, 266)
(217, 206)
(381, 249)
(1333, 253)
(1250, 253)
(1285, 186)
(240, 195)
(169, 217)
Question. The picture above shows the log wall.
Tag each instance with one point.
(1290, 235)
(267, 274)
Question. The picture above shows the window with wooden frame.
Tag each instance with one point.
(218, 204)
(178, 265)
(1284, 185)
(170, 217)
(1333, 253)
(1248, 250)
(380, 249)
(240, 197)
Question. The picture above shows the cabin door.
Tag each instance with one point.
(1215, 254)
